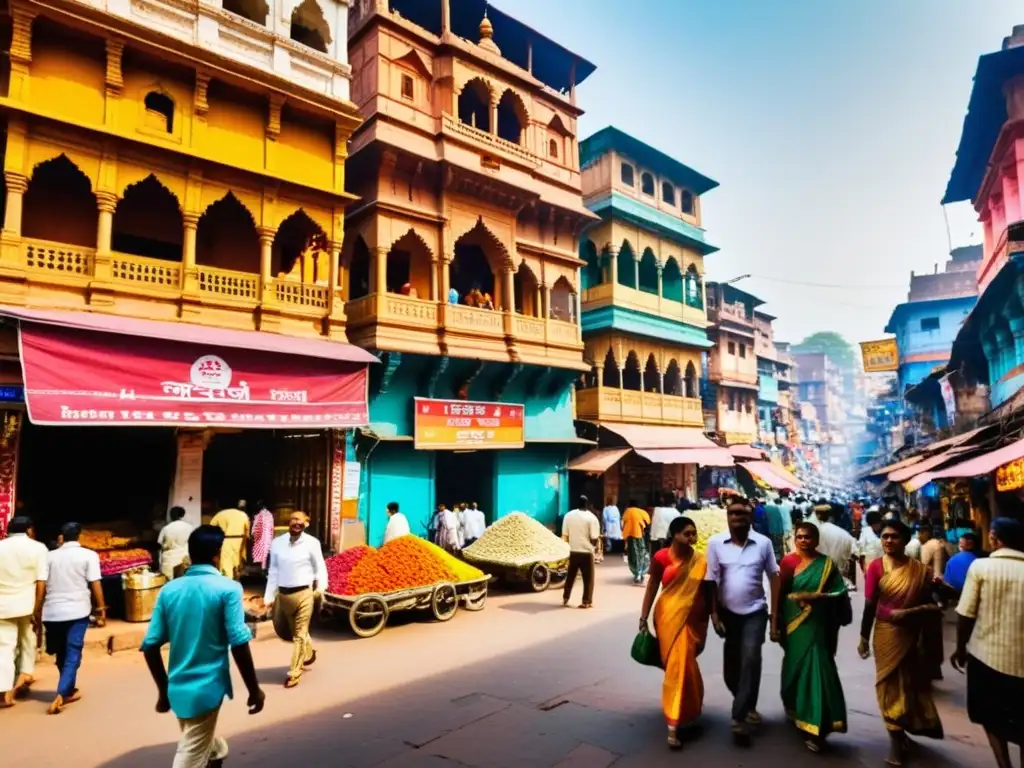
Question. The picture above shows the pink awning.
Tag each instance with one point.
(784, 473)
(100, 378)
(598, 461)
(705, 457)
(764, 471)
(742, 451)
(905, 473)
(205, 335)
(641, 436)
(982, 465)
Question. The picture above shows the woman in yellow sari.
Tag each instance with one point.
(680, 624)
(899, 595)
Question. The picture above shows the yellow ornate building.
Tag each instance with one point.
(181, 163)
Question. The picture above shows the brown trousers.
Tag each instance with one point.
(292, 614)
(582, 563)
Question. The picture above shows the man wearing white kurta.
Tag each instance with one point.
(297, 577)
(834, 541)
(397, 526)
(23, 574)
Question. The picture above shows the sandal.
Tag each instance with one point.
(673, 739)
(812, 745)
(310, 661)
(291, 682)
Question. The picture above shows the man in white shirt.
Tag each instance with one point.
(173, 541)
(473, 523)
(834, 541)
(397, 526)
(869, 546)
(582, 530)
(23, 574)
(73, 589)
(660, 521)
(612, 526)
(297, 577)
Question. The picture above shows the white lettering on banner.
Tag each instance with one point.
(474, 435)
(215, 417)
(289, 395)
(184, 391)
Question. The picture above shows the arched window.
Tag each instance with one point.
(59, 185)
(673, 380)
(309, 26)
(648, 273)
(631, 377)
(160, 110)
(299, 252)
(474, 105)
(524, 288)
(591, 273)
(408, 268)
(691, 380)
(652, 377)
(672, 281)
(610, 375)
(625, 266)
(512, 117)
(563, 301)
(687, 202)
(694, 297)
(553, 148)
(668, 193)
(647, 184)
(226, 237)
(147, 222)
(626, 174)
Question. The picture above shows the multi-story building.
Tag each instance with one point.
(773, 386)
(461, 258)
(989, 171)
(731, 390)
(644, 322)
(820, 385)
(176, 171)
(926, 324)
(789, 405)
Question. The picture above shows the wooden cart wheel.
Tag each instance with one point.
(368, 615)
(444, 602)
(540, 577)
(475, 601)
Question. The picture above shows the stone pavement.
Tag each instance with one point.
(525, 683)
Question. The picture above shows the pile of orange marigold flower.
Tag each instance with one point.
(405, 563)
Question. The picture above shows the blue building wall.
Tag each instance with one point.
(921, 349)
(533, 480)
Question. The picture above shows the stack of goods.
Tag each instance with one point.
(405, 563)
(100, 539)
(114, 562)
(709, 521)
(517, 540)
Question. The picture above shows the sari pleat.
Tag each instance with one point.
(811, 690)
(681, 624)
(902, 685)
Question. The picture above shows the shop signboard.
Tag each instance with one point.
(1010, 477)
(948, 398)
(446, 425)
(880, 356)
(82, 377)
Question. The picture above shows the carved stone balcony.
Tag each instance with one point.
(602, 403)
(615, 294)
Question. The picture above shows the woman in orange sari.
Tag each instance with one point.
(899, 596)
(680, 624)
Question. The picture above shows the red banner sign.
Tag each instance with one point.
(94, 378)
(463, 424)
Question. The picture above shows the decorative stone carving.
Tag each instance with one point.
(21, 34)
(114, 77)
(274, 116)
(200, 103)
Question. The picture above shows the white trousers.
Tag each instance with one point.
(198, 744)
(17, 650)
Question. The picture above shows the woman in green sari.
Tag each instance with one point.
(810, 605)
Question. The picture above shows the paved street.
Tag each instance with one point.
(523, 683)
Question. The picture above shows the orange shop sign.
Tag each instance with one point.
(881, 355)
(1010, 477)
(446, 425)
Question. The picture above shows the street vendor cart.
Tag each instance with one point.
(539, 576)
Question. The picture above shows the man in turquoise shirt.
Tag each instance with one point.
(201, 616)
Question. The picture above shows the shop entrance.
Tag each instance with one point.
(465, 476)
(95, 475)
(285, 471)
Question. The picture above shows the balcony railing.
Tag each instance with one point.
(719, 371)
(611, 404)
(139, 270)
(616, 294)
(58, 258)
(452, 126)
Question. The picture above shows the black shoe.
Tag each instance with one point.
(310, 661)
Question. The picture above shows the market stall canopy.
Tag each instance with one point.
(746, 452)
(705, 457)
(979, 465)
(784, 473)
(880, 471)
(905, 473)
(642, 437)
(598, 460)
(92, 369)
(766, 473)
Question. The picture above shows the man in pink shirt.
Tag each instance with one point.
(262, 535)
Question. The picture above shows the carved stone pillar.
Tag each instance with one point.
(20, 52)
(379, 270)
(189, 272)
(266, 265)
(446, 276)
(106, 202)
(545, 299)
(613, 265)
(333, 276)
(434, 269)
(17, 184)
(509, 300)
(636, 271)
(494, 116)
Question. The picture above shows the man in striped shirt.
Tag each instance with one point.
(988, 640)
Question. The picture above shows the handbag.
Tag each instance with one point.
(645, 649)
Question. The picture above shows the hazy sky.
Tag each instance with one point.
(831, 126)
